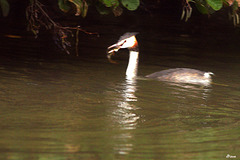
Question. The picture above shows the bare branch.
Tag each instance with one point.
(38, 17)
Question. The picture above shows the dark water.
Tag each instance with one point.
(62, 108)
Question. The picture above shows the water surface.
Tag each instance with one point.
(83, 108)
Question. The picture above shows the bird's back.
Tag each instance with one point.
(181, 75)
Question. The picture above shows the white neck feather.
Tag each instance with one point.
(132, 65)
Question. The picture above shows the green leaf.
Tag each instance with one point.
(110, 3)
(131, 4)
(215, 4)
(201, 7)
(5, 7)
(64, 5)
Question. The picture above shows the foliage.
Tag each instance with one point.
(211, 6)
(80, 5)
(130, 4)
(103, 6)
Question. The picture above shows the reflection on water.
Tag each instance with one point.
(188, 90)
(125, 116)
(129, 90)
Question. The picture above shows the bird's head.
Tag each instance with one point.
(128, 40)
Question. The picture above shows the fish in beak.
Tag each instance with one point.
(114, 48)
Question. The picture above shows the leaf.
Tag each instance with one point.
(131, 4)
(5, 7)
(64, 5)
(85, 9)
(215, 4)
(79, 6)
(110, 3)
(202, 8)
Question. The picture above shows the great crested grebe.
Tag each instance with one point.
(178, 75)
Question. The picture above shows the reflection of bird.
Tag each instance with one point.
(179, 75)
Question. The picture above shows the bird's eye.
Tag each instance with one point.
(122, 43)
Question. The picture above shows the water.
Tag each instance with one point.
(55, 107)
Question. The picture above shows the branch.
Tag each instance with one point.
(38, 17)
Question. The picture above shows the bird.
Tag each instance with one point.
(176, 75)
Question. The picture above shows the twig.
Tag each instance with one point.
(80, 29)
(37, 17)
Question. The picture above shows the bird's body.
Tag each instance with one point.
(183, 75)
(177, 75)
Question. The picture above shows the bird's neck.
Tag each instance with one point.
(132, 68)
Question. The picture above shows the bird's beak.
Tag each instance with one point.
(114, 48)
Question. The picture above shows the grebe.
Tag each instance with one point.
(178, 75)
